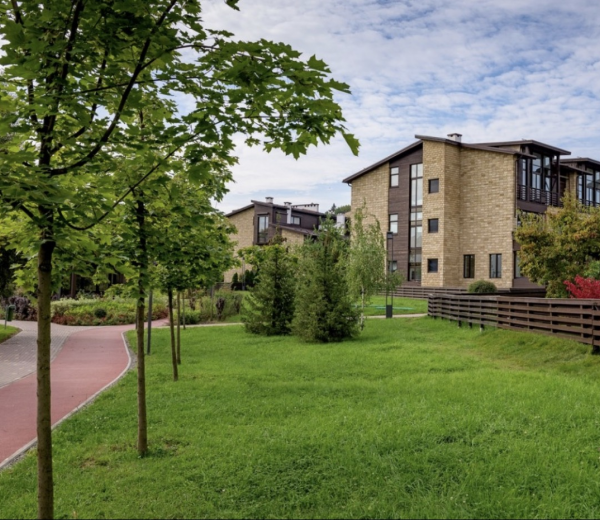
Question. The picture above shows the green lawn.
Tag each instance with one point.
(6, 332)
(416, 418)
(376, 306)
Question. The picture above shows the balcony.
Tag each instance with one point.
(548, 198)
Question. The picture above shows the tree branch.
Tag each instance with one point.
(128, 192)
(125, 96)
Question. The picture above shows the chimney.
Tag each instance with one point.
(455, 137)
(288, 205)
(269, 200)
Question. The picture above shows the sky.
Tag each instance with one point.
(498, 70)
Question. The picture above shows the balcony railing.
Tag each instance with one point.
(549, 198)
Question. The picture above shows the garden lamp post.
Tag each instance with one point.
(389, 309)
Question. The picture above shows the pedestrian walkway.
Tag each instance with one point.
(91, 359)
(18, 354)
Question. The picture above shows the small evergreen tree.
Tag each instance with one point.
(269, 308)
(324, 310)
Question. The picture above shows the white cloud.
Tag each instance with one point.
(489, 70)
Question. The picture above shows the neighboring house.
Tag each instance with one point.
(258, 223)
(452, 206)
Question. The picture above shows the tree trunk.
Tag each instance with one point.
(178, 328)
(44, 417)
(183, 307)
(172, 327)
(142, 265)
(142, 441)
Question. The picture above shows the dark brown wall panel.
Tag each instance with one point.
(399, 202)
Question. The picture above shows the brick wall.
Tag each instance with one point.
(488, 213)
(476, 211)
(244, 223)
(292, 238)
(373, 188)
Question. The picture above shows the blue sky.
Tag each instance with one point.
(490, 70)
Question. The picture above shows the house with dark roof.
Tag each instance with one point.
(258, 222)
(452, 207)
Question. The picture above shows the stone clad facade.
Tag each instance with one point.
(460, 204)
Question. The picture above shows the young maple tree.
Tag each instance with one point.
(75, 76)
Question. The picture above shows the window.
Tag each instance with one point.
(394, 223)
(393, 266)
(263, 229)
(414, 267)
(432, 265)
(496, 266)
(517, 266)
(469, 266)
(394, 177)
(433, 225)
(416, 237)
(296, 220)
(434, 185)
(416, 185)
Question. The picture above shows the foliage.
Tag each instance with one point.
(336, 210)
(482, 287)
(367, 258)
(583, 287)
(559, 245)
(324, 310)
(269, 308)
(117, 311)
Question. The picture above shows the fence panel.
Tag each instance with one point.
(566, 318)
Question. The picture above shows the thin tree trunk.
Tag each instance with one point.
(178, 328)
(183, 306)
(172, 327)
(44, 417)
(142, 266)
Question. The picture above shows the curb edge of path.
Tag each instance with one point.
(11, 459)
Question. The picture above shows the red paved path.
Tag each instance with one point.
(88, 362)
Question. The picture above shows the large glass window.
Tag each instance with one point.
(394, 223)
(416, 237)
(538, 179)
(416, 185)
(394, 176)
(469, 266)
(496, 266)
(416, 221)
(517, 266)
(588, 188)
(263, 229)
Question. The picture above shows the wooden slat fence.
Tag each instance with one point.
(566, 318)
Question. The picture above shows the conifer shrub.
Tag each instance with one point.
(269, 308)
(324, 309)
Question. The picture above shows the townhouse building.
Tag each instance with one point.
(259, 222)
(452, 207)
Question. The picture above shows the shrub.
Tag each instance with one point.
(583, 287)
(269, 308)
(324, 310)
(100, 312)
(482, 287)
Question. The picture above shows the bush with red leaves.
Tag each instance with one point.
(583, 287)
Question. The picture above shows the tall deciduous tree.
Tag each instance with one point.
(558, 245)
(367, 258)
(76, 74)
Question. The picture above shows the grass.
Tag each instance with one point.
(7, 332)
(376, 306)
(416, 418)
